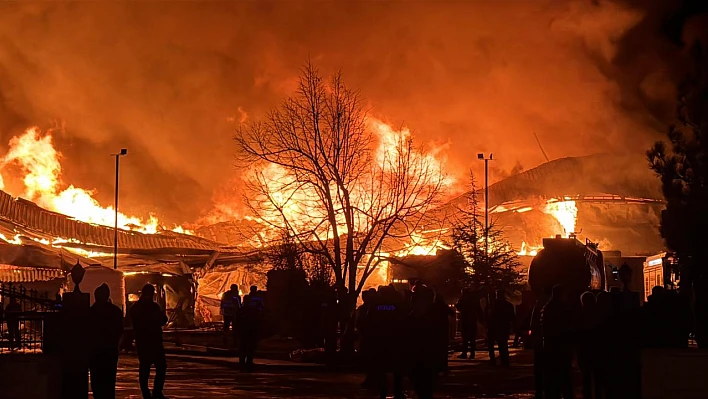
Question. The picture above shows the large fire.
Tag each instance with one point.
(34, 153)
(281, 199)
(565, 212)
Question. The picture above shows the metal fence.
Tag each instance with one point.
(24, 316)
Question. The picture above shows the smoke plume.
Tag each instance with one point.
(172, 80)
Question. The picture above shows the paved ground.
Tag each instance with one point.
(197, 379)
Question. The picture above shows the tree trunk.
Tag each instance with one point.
(348, 323)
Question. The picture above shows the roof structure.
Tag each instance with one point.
(28, 218)
(599, 175)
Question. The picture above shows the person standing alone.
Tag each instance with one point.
(470, 312)
(106, 322)
(500, 323)
(148, 319)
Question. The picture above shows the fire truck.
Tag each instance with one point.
(578, 266)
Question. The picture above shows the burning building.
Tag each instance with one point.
(612, 200)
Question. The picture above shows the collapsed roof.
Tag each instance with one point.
(28, 218)
(624, 176)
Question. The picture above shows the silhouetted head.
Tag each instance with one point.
(148, 292)
(367, 296)
(234, 287)
(254, 289)
(625, 275)
(427, 295)
(418, 286)
(588, 300)
(604, 301)
(102, 293)
(557, 292)
(657, 291)
(439, 298)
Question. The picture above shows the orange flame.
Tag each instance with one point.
(565, 212)
(281, 199)
(35, 154)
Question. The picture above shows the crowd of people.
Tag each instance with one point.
(407, 334)
(605, 333)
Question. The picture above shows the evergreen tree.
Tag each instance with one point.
(682, 167)
(497, 269)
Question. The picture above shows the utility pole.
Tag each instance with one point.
(123, 151)
(481, 156)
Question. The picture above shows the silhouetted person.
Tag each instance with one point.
(500, 323)
(147, 319)
(106, 323)
(12, 311)
(587, 345)
(423, 346)
(442, 314)
(557, 348)
(384, 331)
(57, 302)
(470, 313)
(536, 336)
(657, 318)
(627, 360)
(249, 329)
(605, 344)
(256, 299)
(680, 316)
(523, 318)
(368, 298)
(230, 304)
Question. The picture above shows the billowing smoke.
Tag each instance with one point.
(171, 81)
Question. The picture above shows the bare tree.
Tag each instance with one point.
(321, 175)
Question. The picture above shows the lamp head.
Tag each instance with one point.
(123, 151)
(480, 156)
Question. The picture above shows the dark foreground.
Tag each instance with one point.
(190, 379)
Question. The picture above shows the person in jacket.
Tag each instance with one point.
(148, 319)
(470, 313)
(230, 304)
(500, 324)
(106, 324)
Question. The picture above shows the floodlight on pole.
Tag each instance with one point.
(123, 151)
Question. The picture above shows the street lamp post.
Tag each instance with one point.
(123, 151)
(481, 156)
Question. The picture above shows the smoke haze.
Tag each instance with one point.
(170, 81)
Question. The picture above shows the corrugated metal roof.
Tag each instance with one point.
(15, 274)
(34, 218)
